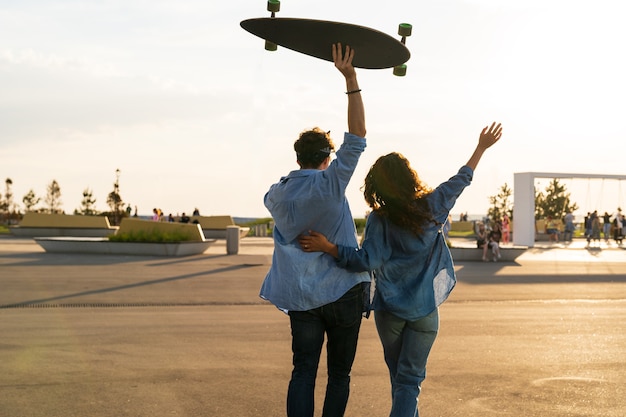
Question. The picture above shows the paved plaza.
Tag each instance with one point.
(110, 335)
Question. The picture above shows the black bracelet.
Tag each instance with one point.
(353, 91)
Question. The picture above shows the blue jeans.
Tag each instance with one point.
(341, 321)
(406, 345)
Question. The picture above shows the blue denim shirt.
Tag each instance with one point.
(413, 274)
(311, 199)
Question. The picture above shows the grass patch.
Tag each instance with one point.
(4, 230)
(467, 233)
(263, 220)
(152, 236)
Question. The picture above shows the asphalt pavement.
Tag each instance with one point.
(108, 335)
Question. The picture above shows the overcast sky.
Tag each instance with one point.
(195, 113)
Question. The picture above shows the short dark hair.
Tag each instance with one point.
(312, 147)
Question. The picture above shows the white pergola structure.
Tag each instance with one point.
(524, 201)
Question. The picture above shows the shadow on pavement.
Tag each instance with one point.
(57, 298)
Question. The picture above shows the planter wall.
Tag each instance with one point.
(104, 246)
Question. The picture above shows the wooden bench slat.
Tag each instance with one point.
(64, 221)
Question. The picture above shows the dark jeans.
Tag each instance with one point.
(341, 321)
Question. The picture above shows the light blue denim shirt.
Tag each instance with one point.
(311, 199)
(413, 274)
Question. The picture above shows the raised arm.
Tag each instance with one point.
(489, 136)
(356, 111)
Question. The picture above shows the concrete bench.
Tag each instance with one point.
(44, 224)
(194, 242)
(215, 227)
(464, 254)
(541, 231)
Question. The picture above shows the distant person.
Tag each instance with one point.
(413, 269)
(481, 235)
(128, 210)
(568, 232)
(323, 300)
(136, 214)
(196, 212)
(552, 229)
(493, 243)
(595, 226)
(618, 231)
(155, 215)
(184, 218)
(465, 217)
(170, 218)
(506, 229)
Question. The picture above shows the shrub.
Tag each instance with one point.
(152, 236)
(360, 225)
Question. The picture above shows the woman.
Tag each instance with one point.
(506, 229)
(552, 229)
(595, 226)
(481, 235)
(493, 243)
(414, 273)
(618, 223)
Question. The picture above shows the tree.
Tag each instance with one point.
(30, 200)
(87, 204)
(501, 204)
(53, 198)
(114, 200)
(555, 202)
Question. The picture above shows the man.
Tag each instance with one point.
(618, 222)
(320, 298)
(569, 227)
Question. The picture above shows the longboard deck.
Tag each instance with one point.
(374, 49)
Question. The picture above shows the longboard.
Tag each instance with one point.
(373, 49)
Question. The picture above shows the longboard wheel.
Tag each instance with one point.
(399, 70)
(404, 29)
(273, 6)
(270, 46)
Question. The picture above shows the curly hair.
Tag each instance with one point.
(393, 190)
(312, 147)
